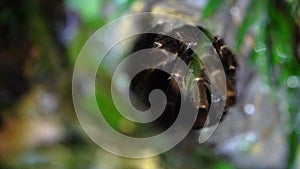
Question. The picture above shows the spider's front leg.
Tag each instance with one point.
(230, 65)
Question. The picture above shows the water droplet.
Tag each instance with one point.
(260, 47)
(264, 89)
(293, 82)
(281, 54)
(249, 109)
(215, 98)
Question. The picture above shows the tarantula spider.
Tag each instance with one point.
(146, 81)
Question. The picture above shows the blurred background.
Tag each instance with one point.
(41, 39)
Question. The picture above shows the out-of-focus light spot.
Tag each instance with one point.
(242, 142)
(249, 109)
(256, 148)
(126, 126)
(249, 40)
(234, 11)
(245, 144)
(121, 82)
(264, 89)
(251, 137)
(293, 82)
(148, 163)
(48, 101)
(236, 14)
(260, 47)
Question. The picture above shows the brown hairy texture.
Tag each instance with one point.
(151, 79)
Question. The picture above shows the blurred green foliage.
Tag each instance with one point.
(273, 55)
(93, 15)
(275, 52)
(211, 8)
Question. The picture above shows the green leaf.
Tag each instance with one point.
(280, 35)
(107, 107)
(211, 7)
(88, 10)
(281, 30)
(223, 165)
(256, 10)
(259, 54)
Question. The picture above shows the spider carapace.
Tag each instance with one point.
(146, 81)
